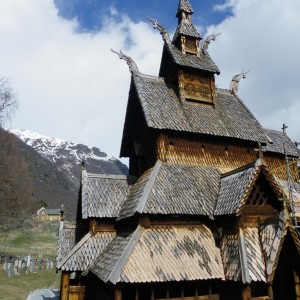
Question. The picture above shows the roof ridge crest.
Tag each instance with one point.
(148, 187)
(115, 273)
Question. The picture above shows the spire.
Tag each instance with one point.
(184, 5)
(186, 37)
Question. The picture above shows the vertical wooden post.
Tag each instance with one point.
(209, 290)
(64, 286)
(118, 294)
(136, 293)
(246, 293)
(168, 293)
(297, 285)
(270, 290)
(182, 293)
(196, 293)
(152, 294)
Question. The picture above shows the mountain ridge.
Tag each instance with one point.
(55, 167)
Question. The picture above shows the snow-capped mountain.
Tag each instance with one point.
(54, 167)
(68, 156)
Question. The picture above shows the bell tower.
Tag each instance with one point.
(187, 66)
(186, 37)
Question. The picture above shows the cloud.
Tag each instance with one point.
(263, 36)
(229, 4)
(69, 84)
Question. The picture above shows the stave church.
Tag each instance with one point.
(210, 207)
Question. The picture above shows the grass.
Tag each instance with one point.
(19, 287)
(39, 239)
(36, 239)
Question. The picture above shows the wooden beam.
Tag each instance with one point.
(152, 294)
(297, 285)
(136, 293)
(246, 293)
(270, 290)
(118, 294)
(64, 287)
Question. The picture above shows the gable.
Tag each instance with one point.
(251, 188)
(262, 202)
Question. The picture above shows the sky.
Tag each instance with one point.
(69, 85)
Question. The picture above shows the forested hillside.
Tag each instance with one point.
(30, 177)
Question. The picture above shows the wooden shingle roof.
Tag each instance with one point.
(166, 253)
(233, 190)
(254, 254)
(273, 239)
(103, 195)
(228, 117)
(184, 5)
(186, 27)
(85, 251)
(203, 63)
(281, 140)
(66, 240)
(236, 187)
(173, 189)
(230, 257)
(295, 193)
(243, 257)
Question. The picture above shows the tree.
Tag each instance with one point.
(16, 189)
(8, 102)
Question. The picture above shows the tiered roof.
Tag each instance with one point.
(146, 249)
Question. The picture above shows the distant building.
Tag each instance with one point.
(47, 215)
(209, 209)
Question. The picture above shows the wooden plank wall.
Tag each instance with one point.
(225, 156)
(176, 150)
(277, 166)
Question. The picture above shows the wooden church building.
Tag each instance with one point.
(209, 208)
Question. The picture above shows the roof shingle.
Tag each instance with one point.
(167, 253)
(281, 140)
(174, 189)
(202, 63)
(232, 191)
(228, 117)
(103, 195)
(86, 251)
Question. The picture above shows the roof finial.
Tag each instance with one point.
(130, 62)
(184, 5)
(284, 128)
(208, 39)
(234, 86)
(186, 32)
(260, 159)
(163, 31)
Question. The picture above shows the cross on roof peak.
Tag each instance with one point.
(284, 128)
(260, 150)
